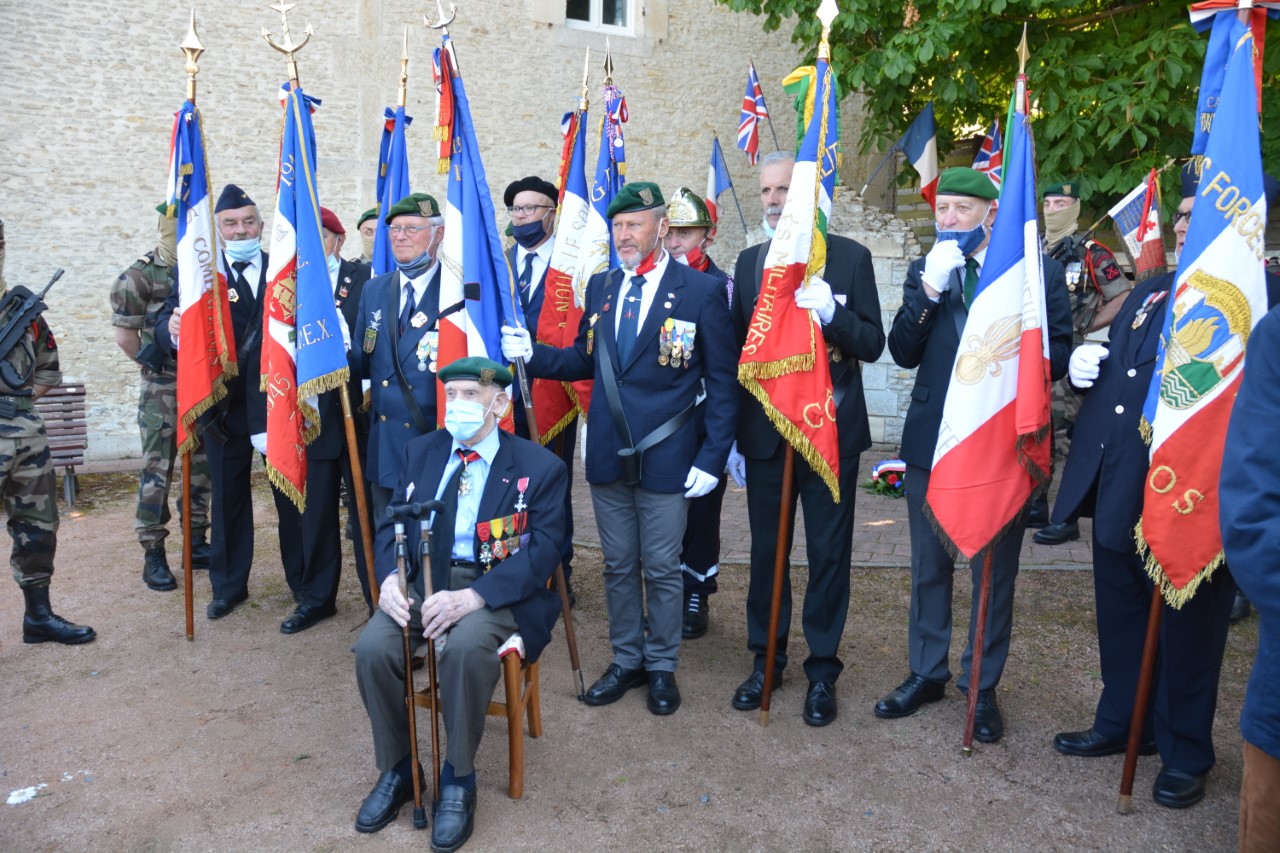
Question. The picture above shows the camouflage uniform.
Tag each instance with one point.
(1093, 278)
(26, 474)
(136, 299)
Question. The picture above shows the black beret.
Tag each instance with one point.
(530, 184)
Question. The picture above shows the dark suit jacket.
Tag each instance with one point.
(856, 332)
(520, 580)
(391, 423)
(245, 404)
(352, 276)
(532, 311)
(650, 393)
(926, 335)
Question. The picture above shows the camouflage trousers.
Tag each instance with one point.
(1066, 407)
(158, 427)
(30, 498)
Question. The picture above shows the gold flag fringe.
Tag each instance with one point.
(1173, 596)
(281, 482)
(791, 433)
(189, 419)
(337, 380)
(561, 425)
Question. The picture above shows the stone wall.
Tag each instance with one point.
(90, 90)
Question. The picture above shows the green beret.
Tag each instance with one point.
(416, 204)
(163, 209)
(371, 213)
(1070, 189)
(962, 180)
(486, 371)
(640, 195)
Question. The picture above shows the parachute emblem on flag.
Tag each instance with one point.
(1206, 340)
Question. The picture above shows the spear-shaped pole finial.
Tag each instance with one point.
(286, 45)
(1020, 87)
(608, 63)
(827, 13)
(1024, 53)
(402, 98)
(191, 49)
(586, 77)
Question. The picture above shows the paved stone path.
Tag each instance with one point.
(880, 535)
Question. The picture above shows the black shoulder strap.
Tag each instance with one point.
(668, 428)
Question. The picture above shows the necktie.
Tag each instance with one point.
(629, 325)
(970, 281)
(240, 267)
(526, 278)
(406, 311)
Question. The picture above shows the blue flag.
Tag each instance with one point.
(393, 183)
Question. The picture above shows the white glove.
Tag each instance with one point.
(175, 326)
(516, 343)
(392, 602)
(737, 466)
(944, 257)
(699, 483)
(817, 297)
(582, 439)
(346, 331)
(259, 441)
(1085, 364)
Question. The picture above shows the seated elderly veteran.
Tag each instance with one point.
(486, 588)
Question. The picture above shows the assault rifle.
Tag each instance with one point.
(19, 310)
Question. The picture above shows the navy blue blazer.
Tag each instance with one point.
(532, 311)
(855, 333)
(650, 393)
(246, 403)
(391, 424)
(1250, 495)
(519, 581)
(926, 335)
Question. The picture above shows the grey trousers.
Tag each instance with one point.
(468, 669)
(932, 572)
(642, 531)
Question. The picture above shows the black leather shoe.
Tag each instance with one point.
(455, 814)
(988, 725)
(41, 625)
(751, 692)
(155, 570)
(697, 616)
(820, 704)
(664, 695)
(907, 697)
(1176, 789)
(1090, 744)
(220, 607)
(616, 681)
(1057, 534)
(393, 790)
(200, 551)
(304, 616)
(1240, 608)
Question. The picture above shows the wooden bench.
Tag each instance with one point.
(62, 409)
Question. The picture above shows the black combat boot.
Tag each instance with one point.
(155, 569)
(200, 549)
(42, 625)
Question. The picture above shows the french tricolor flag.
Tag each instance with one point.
(718, 181)
(993, 445)
(920, 144)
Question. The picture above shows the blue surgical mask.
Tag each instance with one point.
(464, 418)
(969, 240)
(530, 234)
(243, 250)
(417, 266)
(768, 229)
(333, 263)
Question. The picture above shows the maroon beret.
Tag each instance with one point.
(330, 220)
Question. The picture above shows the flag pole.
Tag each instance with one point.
(191, 49)
(883, 163)
(768, 114)
(779, 561)
(1140, 701)
(733, 191)
(979, 638)
(1101, 219)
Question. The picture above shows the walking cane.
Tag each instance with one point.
(424, 560)
(397, 513)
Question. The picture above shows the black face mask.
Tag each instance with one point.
(530, 234)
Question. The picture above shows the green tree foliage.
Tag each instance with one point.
(1113, 82)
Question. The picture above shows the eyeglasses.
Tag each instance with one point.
(409, 230)
(1181, 215)
(525, 209)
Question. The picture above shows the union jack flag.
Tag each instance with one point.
(753, 111)
(990, 159)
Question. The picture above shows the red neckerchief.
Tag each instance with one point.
(648, 264)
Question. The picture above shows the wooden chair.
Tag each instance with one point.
(63, 410)
(520, 682)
